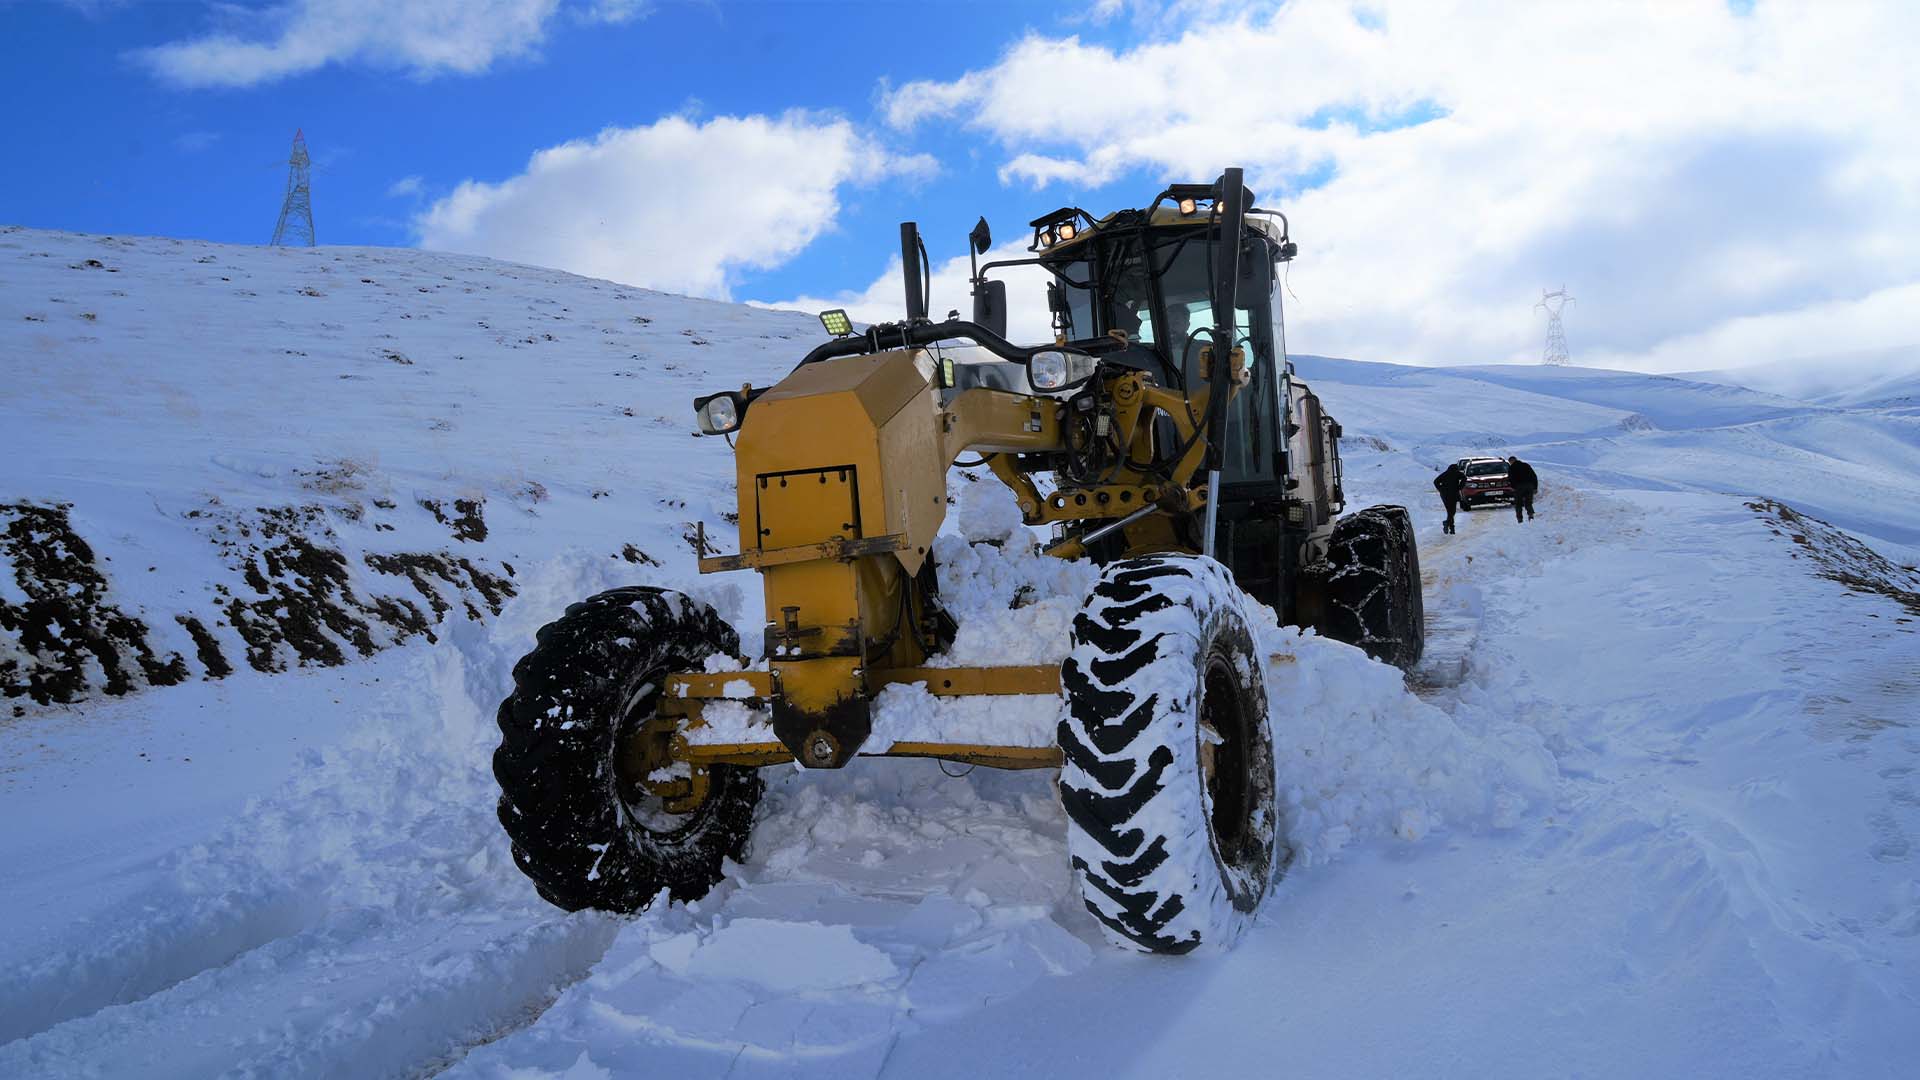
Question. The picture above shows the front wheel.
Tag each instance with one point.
(580, 794)
(1168, 781)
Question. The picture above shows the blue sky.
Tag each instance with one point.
(1701, 174)
(116, 149)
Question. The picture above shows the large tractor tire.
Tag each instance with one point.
(571, 798)
(1168, 776)
(1373, 586)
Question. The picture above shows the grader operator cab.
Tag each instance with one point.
(1161, 434)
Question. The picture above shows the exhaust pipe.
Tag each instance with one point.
(912, 253)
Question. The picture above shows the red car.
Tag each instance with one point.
(1486, 481)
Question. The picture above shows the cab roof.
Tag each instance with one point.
(1163, 216)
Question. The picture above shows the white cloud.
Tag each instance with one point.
(405, 187)
(193, 142)
(1701, 179)
(677, 205)
(422, 37)
(1816, 330)
(615, 12)
(95, 9)
(1040, 170)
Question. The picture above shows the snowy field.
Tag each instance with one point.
(1649, 808)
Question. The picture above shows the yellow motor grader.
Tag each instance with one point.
(1161, 433)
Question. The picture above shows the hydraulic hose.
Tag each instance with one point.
(907, 335)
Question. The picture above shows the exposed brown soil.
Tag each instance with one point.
(465, 520)
(64, 636)
(294, 599)
(207, 646)
(1839, 557)
(429, 571)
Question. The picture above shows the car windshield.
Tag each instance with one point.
(1487, 468)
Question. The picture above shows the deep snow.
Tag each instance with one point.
(1651, 811)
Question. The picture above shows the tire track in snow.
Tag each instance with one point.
(151, 949)
(350, 997)
(366, 920)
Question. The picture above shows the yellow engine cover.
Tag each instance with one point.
(862, 431)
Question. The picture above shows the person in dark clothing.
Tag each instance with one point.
(1448, 485)
(1525, 483)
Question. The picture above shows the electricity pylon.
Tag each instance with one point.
(295, 226)
(1553, 303)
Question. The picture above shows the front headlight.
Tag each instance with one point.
(718, 414)
(1057, 369)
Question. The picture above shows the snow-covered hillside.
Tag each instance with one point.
(224, 457)
(1650, 810)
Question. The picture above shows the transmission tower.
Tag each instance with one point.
(295, 226)
(1553, 303)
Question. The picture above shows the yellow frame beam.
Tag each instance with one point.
(967, 682)
(686, 692)
(841, 550)
(762, 755)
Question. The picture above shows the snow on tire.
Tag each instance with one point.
(1167, 777)
(1373, 586)
(580, 828)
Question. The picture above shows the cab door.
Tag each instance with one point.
(1250, 521)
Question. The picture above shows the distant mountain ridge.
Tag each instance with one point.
(1869, 378)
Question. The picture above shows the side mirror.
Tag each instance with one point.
(990, 306)
(1256, 279)
(981, 238)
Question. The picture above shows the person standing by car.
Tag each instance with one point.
(1525, 483)
(1448, 485)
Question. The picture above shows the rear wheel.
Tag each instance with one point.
(1168, 779)
(1373, 586)
(598, 816)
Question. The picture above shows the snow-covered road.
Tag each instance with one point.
(1714, 879)
(1649, 810)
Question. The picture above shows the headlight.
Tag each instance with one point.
(718, 414)
(1056, 369)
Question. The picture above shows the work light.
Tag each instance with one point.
(837, 322)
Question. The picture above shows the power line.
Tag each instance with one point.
(295, 226)
(1553, 303)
